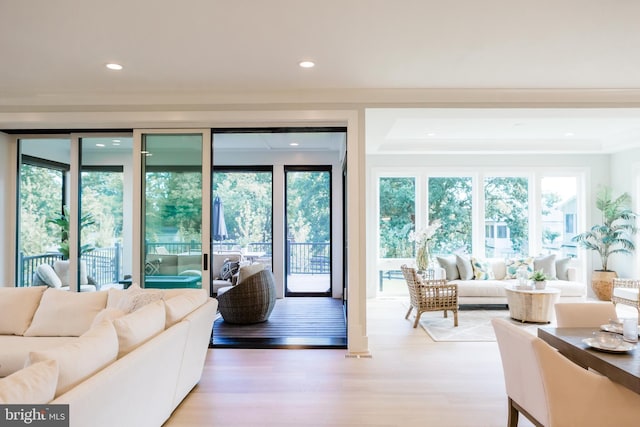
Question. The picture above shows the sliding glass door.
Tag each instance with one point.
(308, 225)
(174, 247)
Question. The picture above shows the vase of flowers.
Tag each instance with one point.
(422, 239)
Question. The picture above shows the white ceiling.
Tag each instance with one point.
(388, 53)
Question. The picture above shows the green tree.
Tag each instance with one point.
(506, 200)
(450, 202)
(397, 217)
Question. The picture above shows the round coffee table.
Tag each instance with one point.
(532, 305)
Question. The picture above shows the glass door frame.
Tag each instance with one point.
(308, 168)
(139, 226)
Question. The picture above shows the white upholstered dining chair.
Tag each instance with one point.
(550, 390)
(584, 314)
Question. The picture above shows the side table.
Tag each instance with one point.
(532, 305)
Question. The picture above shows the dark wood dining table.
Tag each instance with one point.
(623, 368)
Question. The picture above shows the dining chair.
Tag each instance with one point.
(626, 291)
(550, 390)
(584, 314)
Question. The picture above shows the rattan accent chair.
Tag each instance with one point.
(430, 295)
(250, 301)
(627, 292)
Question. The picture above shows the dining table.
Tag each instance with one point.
(622, 367)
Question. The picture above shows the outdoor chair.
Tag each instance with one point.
(550, 390)
(250, 301)
(584, 314)
(430, 295)
(626, 291)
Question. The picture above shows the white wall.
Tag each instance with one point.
(625, 177)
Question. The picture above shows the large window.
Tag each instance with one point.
(559, 214)
(397, 216)
(507, 209)
(450, 203)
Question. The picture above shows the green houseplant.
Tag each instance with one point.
(539, 279)
(62, 221)
(613, 236)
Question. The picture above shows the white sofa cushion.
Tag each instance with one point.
(132, 298)
(46, 273)
(547, 264)
(450, 266)
(15, 350)
(179, 306)
(139, 326)
(78, 360)
(63, 313)
(35, 384)
(108, 314)
(465, 269)
(17, 307)
(249, 271)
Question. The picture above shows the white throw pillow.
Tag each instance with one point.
(135, 297)
(65, 314)
(33, 385)
(249, 270)
(80, 359)
(46, 273)
(17, 307)
(138, 327)
(179, 306)
(108, 314)
(61, 267)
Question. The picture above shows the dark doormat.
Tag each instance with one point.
(296, 322)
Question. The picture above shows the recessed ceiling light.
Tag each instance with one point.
(114, 66)
(99, 145)
(115, 140)
(307, 64)
(431, 134)
(569, 134)
(293, 144)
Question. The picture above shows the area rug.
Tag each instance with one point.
(473, 325)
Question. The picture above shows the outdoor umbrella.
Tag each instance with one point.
(219, 226)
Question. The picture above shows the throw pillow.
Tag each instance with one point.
(17, 307)
(249, 271)
(108, 314)
(138, 327)
(80, 359)
(562, 268)
(229, 268)
(450, 267)
(46, 273)
(481, 269)
(35, 384)
(547, 264)
(61, 267)
(514, 264)
(181, 305)
(135, 297)
(465, 269)
(65, 314)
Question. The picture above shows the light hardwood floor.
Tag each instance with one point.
(409, 381)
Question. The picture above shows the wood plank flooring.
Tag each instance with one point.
(409, 381)
(296, 322)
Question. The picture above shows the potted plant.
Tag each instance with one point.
(539, 279)
(613, 236)
(62, 220)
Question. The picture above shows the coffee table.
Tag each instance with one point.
(535, 305)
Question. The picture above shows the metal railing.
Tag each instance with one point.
(104, 265)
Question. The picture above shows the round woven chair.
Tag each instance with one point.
(250, 301)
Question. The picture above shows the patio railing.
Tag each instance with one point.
(104, 265)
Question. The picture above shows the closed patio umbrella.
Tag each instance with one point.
(219, 231)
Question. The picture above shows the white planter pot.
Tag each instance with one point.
(541, 285)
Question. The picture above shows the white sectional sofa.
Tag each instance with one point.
(476, 287)
(117, 357)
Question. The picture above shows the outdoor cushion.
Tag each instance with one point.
(46, 273)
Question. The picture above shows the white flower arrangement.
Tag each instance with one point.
(423, 238)
(424, 235)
